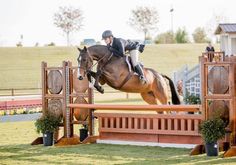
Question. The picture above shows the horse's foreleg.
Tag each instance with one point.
(89, 76)
(96, 76)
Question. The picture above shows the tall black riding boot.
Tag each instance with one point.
(139, 70)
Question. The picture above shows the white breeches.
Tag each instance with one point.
(134, 54)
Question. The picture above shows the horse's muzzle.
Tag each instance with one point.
(80, 78)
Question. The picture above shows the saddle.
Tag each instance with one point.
(130, 65)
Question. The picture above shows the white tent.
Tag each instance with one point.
(227, 34)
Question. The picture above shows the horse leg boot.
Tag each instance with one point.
(96, 84)
(139, 70)
(96, 76)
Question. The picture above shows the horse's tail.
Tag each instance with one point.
(174, 94)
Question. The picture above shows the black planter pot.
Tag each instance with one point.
(211, 149)
(83, 134)
(48, 139)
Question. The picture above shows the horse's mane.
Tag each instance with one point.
(99, 47)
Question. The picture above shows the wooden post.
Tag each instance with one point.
(91, 112)
(232, 113)
(12, 93)
(203, 85)
(66, 133)
(127, 95)
(44, 86)
(70, 76)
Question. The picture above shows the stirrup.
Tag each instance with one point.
(143, 79)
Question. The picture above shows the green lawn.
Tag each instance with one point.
(20, 66)
(15, 149)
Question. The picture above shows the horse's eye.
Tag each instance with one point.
(84, 60)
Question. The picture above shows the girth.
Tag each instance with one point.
(125, 80)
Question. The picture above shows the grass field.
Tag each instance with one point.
(20, 66)
(15, 149)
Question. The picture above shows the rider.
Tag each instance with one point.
(118, 46)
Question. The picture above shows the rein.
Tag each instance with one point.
(89, 68)
(109, 58)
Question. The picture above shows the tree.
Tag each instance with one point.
(69, 20)
(144, 19)
(199, 35)
(181, 36)
(165, 38)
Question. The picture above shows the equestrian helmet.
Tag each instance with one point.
(106, 34)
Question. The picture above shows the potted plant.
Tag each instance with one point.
(212, 130)
(47, 124)
(83, 132)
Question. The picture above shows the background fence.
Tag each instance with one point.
(190, 79)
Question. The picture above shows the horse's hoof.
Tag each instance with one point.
(102, 91)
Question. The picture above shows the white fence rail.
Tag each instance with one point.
(190, 80)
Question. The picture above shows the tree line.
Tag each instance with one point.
(181, 36)
(143, 19)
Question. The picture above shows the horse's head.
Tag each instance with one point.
(85, 62)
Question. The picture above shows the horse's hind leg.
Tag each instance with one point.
(160, 91)
(149, 98)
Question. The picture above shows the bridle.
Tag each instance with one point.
(88, 69)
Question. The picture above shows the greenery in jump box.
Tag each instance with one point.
(47, 123)
(212, 130)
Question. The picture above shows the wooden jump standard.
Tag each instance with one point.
(61, 87)
(218, 95)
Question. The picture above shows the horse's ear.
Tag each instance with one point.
(85, 48)
(79, 49)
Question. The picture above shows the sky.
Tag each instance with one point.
(34, 18)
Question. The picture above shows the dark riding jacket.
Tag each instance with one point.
(210, 49)
(119, 46)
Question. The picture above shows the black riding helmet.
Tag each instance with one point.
(106, 34)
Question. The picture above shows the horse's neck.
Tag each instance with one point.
(104, 57)
(98, 54)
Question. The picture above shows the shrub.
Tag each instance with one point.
(192, 99)
(165, 38)
(181, 36)
(15, 112)
(212, 130)
(47, 123)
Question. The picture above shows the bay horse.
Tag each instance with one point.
(115, 72)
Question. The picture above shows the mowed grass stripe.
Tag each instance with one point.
(21, 67)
